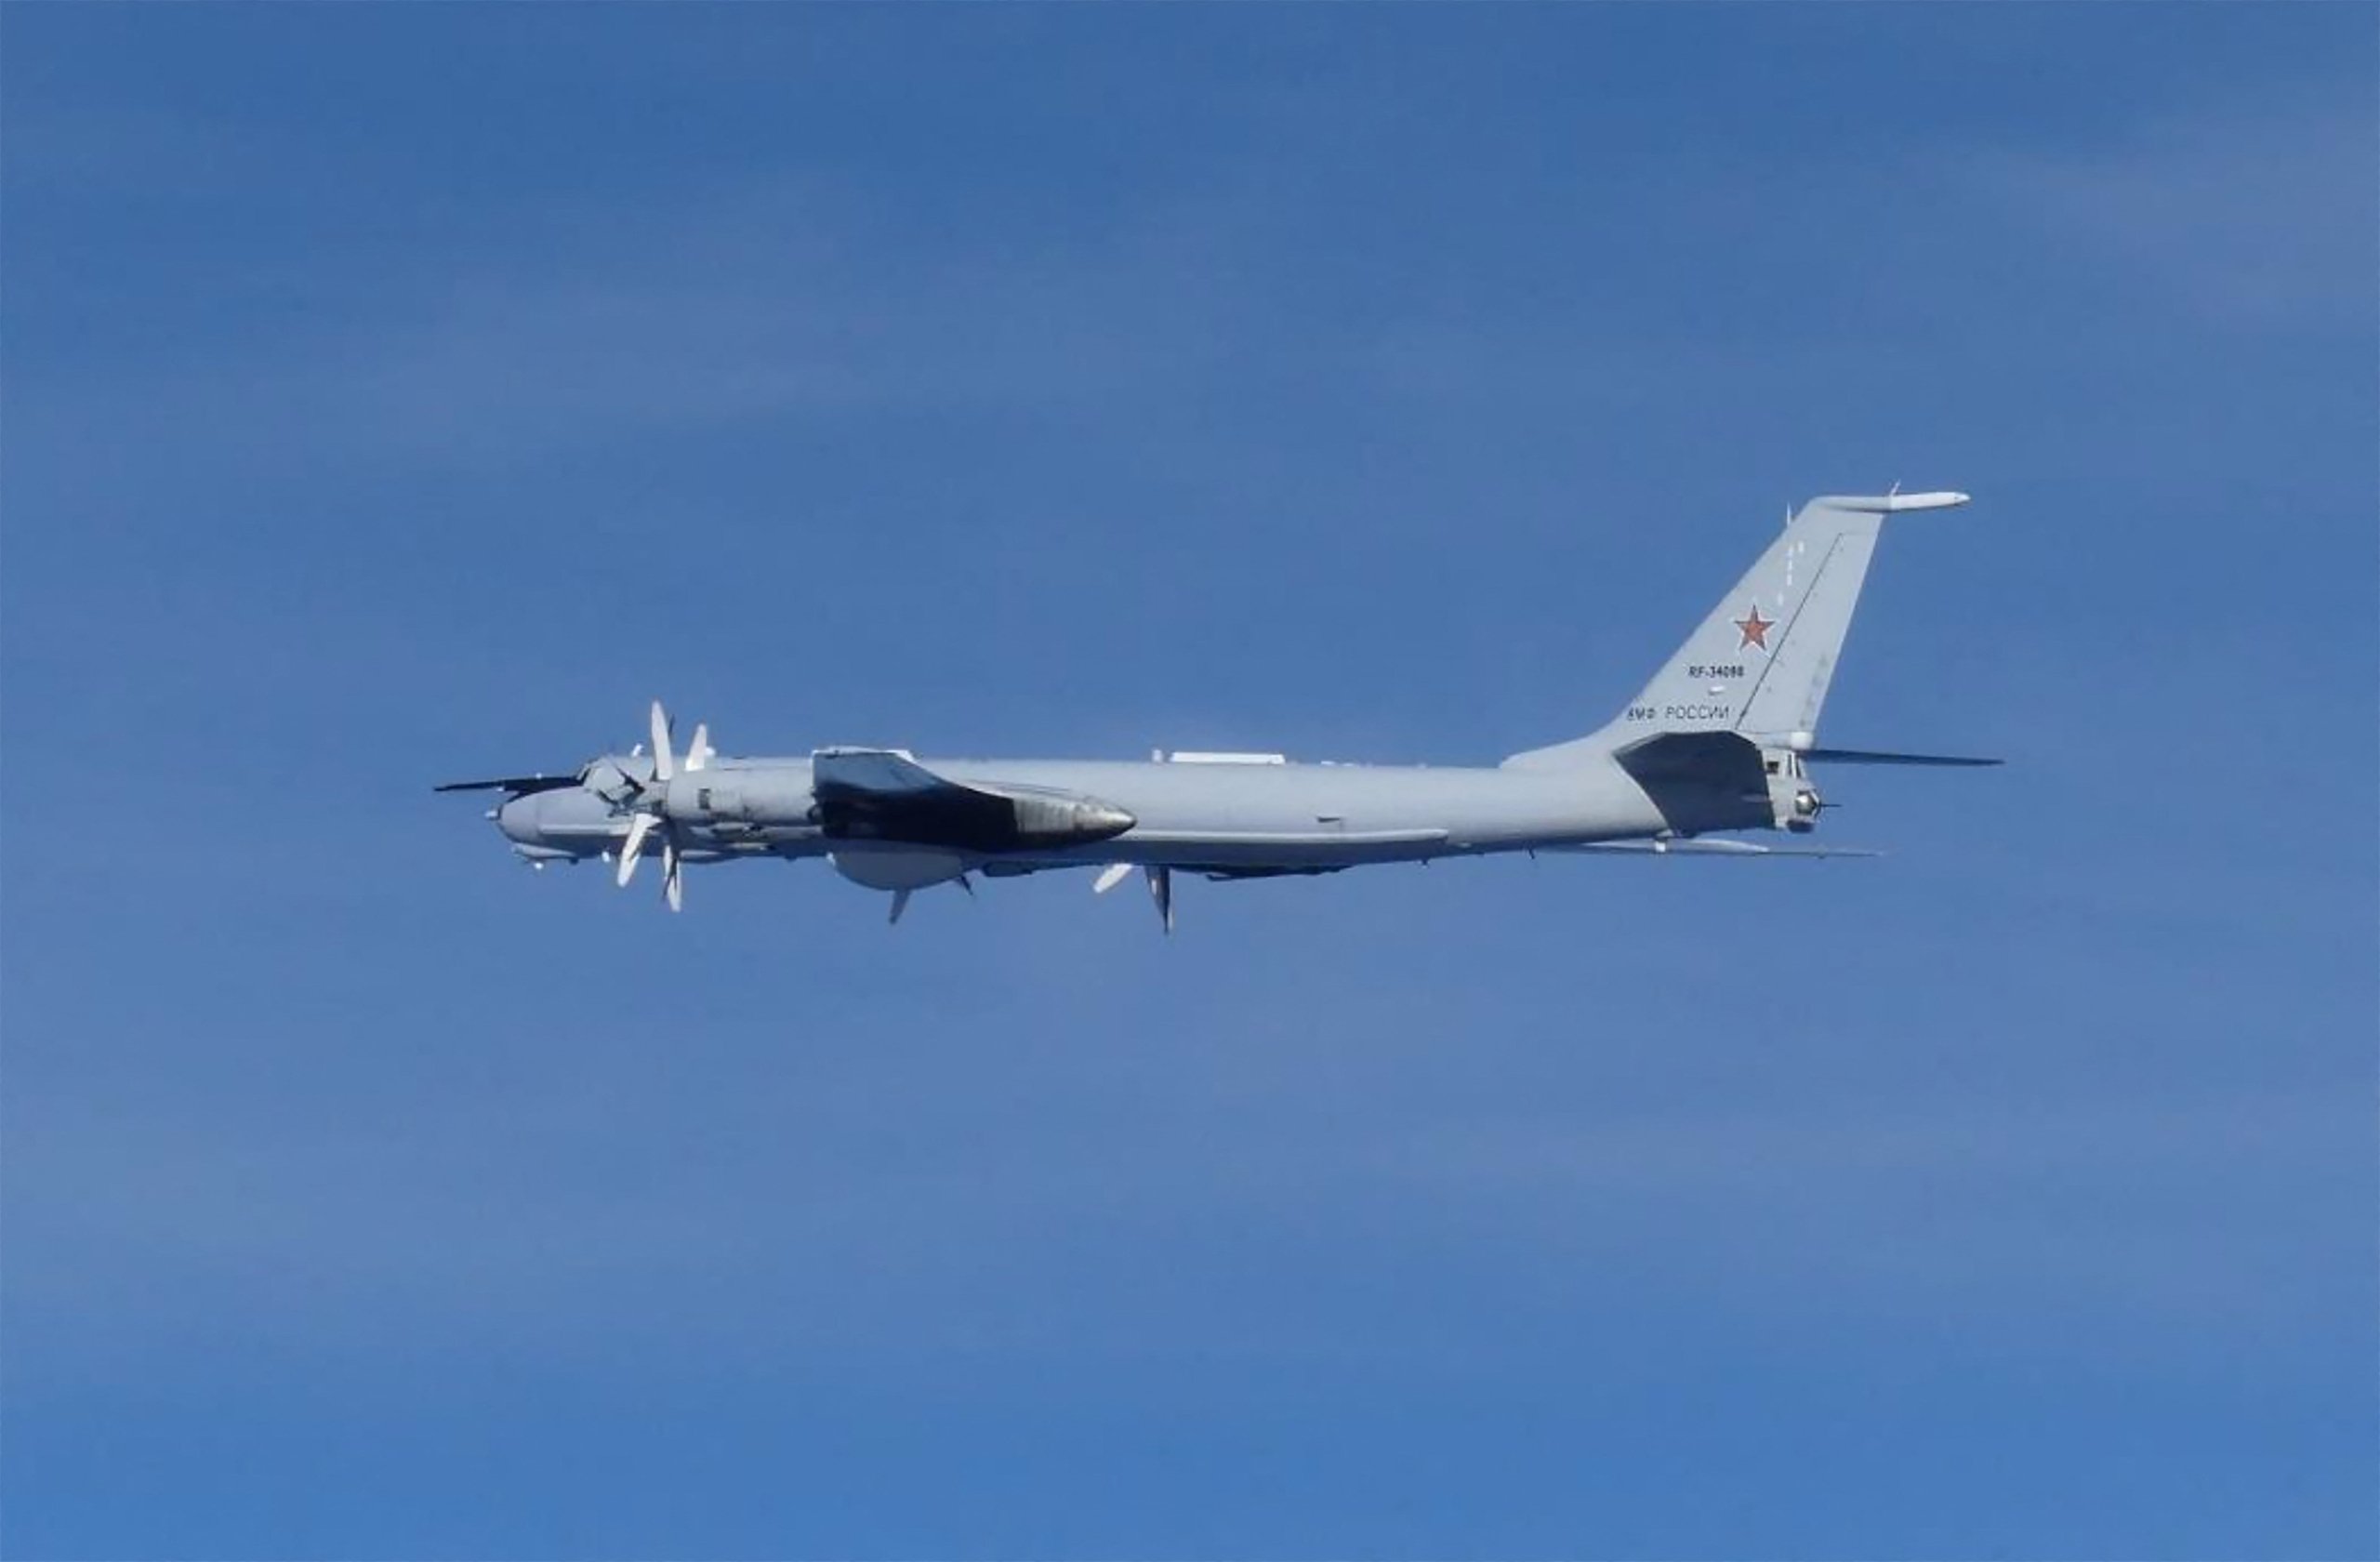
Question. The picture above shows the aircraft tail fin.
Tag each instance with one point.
(1760, 662)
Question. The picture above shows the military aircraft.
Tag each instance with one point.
(1722, 739)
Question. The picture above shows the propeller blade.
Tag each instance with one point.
(1111, 875)
(1162, 890)
(638, 827)
(900, 904)
(662, 768)
(698, 752)
(672, 887)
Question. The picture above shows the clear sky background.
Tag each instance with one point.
(397, 394)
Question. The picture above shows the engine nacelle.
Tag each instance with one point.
(1049, 818)
(774, 796)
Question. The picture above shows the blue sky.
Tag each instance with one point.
(396, 394)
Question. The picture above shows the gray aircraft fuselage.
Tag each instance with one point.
(1719, 740)
(1191, 814)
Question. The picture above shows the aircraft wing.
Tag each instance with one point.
(1191, 841)
(1711, 847)
(884, 794)
(874, 776)
(518, 785)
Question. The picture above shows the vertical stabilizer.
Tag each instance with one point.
(1760, 662)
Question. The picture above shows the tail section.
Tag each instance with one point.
(1761, 663)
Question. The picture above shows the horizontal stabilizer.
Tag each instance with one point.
(1894, 503)
(1871, 757)
(1712, 848)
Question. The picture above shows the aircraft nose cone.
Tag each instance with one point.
(517, 819)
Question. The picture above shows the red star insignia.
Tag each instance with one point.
(1755, 628)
